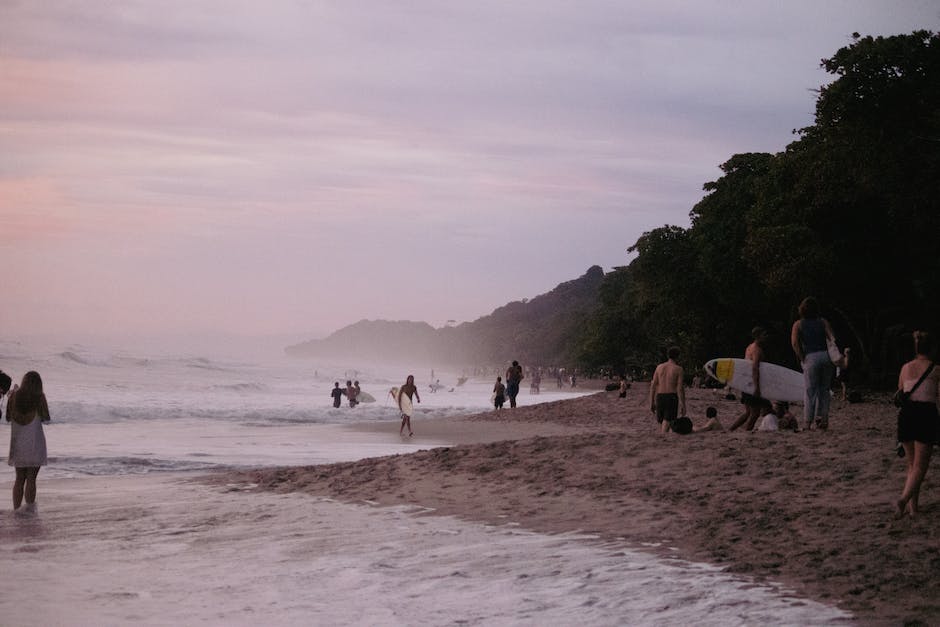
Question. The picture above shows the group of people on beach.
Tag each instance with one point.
(26, 411)
(514, 376)
(813, 343)
(351, 392)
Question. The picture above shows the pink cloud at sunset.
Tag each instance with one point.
(272, 168)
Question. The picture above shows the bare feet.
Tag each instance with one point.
(899, 508)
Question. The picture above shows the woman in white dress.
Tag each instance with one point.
(26, 411)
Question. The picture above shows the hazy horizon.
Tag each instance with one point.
(214, 170)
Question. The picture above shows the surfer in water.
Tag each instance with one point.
(667, 390)
(337, 394)
(410, 390)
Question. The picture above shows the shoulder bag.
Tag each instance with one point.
(901, 397)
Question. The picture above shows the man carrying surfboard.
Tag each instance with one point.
(667, 390)
(755, 405)
(408, 391)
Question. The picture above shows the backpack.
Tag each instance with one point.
(681, 425)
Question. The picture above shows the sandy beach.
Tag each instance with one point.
(811, 510)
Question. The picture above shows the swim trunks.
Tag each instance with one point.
(753, 401)
(918, 421)
(667, 407)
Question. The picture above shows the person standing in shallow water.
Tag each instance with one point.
(26, 411)
(352, 393)
(918, 419)
(411, 390)
(808, 339)
(337, 394)
(499, 393)
(514, 377)
(667, 390)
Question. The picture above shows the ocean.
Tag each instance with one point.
(116, 412)
(122, 538)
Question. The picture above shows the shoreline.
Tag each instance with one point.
(809, 510)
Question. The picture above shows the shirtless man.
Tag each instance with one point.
(754, 405)
(667, 390)
(411, 390)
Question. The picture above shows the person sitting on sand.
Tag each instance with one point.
(754, 405)
(411, 390)
(711, 422)
(786, 421)
(667, 390)
(499, 393)
(769, 421)
(337, 394)
(918, 419)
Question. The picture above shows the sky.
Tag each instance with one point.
(194, 168)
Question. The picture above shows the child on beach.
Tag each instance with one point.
(786, 421)
(26, 411)
(711, 422)
(499, 393)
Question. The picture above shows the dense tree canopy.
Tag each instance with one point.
(848, 213)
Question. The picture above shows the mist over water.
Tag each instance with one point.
(118, 411)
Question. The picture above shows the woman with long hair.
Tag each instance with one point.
(808, 339)
(918, 419)
(26, 411)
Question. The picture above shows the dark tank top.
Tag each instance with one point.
(813, 335)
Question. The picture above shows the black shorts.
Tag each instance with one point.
(750, 400)
(667, 407)
(918, 421)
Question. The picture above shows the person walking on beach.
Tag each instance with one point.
(514, 376)
(337, 394)
(26, 411)
(667, 390)
(755, 405)
(918, 419)
(499, 393)
(808, 339)
(410, 390)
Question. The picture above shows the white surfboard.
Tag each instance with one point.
(365, 397)
(406, 405)
(776, 382)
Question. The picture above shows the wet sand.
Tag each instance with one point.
(811, 510)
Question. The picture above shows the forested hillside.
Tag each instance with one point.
(847, 213)
(543, 330)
